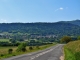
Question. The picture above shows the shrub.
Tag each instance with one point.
(1, 55)
(13, 55)
(10, 51)
(21, 47)
(30, 48)
(37, 47)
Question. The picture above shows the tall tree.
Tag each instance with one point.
(65, 39)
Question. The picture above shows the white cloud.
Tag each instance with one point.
(59, 9)
(3, 21)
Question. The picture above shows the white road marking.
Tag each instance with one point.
(29, 54)
(33, 57)
(37, 55)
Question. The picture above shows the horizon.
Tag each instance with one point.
(29, 11)
(40, 22)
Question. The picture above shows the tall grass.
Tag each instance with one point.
(68, 55)
(72, 49)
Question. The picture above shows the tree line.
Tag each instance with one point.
(59, 28)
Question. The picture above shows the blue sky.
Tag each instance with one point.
(39, 10)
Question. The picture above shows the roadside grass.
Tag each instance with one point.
(72, 50)
(4, 50)
(4, 40)
(68, 55)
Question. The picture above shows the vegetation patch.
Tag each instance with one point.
(11, 51)
(72, 50)
(68, 55)
(4, 40)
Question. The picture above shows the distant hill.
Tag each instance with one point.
(59, 28)
(76, 22)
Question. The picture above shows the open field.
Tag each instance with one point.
(72, 50)
(4, 50)
(4, 40)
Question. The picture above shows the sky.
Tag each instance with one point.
(39, 10)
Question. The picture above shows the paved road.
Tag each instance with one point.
(52, 53)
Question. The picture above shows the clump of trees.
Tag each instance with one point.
(21, 47)
(12, 40)
(66, 39)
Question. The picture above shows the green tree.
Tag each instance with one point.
(20, 40)
(12, 41)
(21, 47)
(65, 39)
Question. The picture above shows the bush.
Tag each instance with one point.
(10, 51)
(1, 55)
(37, 47)
(21, 48)
(30, 48)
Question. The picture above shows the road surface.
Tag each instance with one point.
(52, 53)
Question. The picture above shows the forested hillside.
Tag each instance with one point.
(59, 28)
(75, 22)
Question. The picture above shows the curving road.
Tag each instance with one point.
(52, 53)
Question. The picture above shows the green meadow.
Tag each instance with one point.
(4, 40)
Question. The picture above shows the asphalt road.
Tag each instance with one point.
(52, 53)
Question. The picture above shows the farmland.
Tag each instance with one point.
(4, 40)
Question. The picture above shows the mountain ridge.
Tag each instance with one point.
(58, 28)
(75, 22)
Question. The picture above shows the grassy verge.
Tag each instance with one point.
(72, 50)
(68, 55)
(4, 53)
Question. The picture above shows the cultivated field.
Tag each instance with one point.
(4, 40)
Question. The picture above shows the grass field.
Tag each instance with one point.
(4, 40)
(4, 50)
(72, 50)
